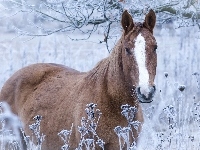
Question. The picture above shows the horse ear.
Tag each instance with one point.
(127, 21)
(150, 20)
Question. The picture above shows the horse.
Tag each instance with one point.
(60, 94)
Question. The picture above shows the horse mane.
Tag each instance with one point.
(109, 73)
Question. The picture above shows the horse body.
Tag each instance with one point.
(60, 94)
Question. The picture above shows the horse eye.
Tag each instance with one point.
(128, 51)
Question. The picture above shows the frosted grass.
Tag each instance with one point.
(172, 124)
(9, 128)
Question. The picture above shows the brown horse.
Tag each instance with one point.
(60, 94)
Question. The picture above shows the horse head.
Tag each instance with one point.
(139, 56)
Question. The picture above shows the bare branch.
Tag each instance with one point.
(49, 17)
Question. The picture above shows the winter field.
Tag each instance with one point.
(172, 120)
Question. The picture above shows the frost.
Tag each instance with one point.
(124, 133)
(65, 136)
(181, 88)
(88, 128)
(9, 128)
(37, 136)
(166, 74)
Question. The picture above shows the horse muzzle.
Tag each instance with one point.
(145, 96)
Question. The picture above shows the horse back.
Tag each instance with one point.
(25, 81)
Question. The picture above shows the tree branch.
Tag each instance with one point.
(76, 15)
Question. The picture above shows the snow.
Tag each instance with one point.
(178, 56)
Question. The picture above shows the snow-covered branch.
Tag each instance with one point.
(45, 17)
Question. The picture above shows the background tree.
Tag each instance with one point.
(45, 17)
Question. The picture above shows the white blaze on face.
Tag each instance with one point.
(140, 56)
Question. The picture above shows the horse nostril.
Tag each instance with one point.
(153, 89)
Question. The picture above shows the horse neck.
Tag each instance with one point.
(109, 74)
